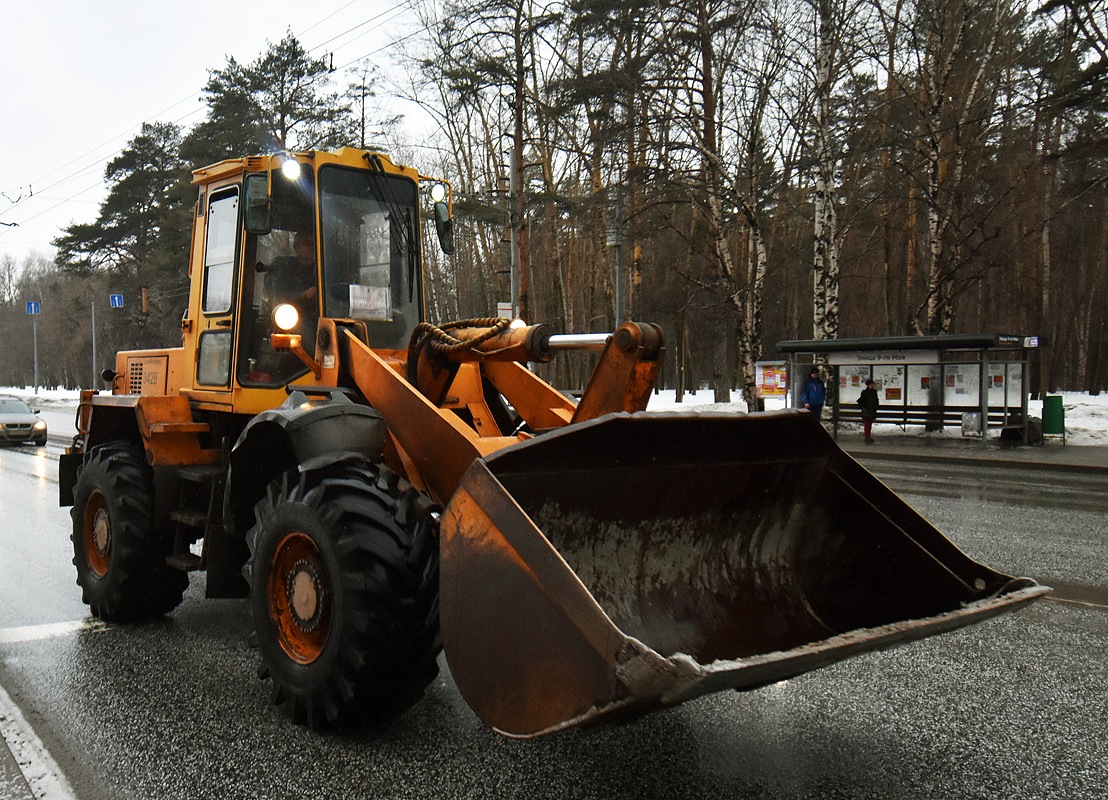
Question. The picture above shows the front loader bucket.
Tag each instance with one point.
(637, 561)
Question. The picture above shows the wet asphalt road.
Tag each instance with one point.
(1015, 707)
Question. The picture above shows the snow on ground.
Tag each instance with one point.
(1086, 415)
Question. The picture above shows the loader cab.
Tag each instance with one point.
(336, 238)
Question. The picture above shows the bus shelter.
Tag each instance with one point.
(975, 382)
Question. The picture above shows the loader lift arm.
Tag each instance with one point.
(440, 447)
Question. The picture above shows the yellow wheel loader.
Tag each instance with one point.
(383, 488)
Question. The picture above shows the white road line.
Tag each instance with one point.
(39, 768)
(1084, 603)
(31, 633)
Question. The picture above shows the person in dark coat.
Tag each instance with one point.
(868, 402)
(292, 279)
(813, 393)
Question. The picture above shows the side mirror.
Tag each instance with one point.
(258, 205)
(444, 226)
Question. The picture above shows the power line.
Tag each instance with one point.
(98, 163)
(395, 11)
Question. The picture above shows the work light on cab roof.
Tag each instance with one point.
(290, 168)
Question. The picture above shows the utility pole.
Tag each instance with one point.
(513, 226)
(520, 232)
(615, 241)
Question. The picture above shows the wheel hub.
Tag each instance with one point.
(305, 595)
(298, 593)
(97, 536)
(101, 532)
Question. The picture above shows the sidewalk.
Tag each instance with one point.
(1052, 456)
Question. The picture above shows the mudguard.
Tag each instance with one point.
(303, 429)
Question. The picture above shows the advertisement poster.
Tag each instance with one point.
(890, 384)
(853, 377)
(963, 383)
(1005, 385)
(772, 379)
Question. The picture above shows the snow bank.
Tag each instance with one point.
(1086, 415)
(44, 397)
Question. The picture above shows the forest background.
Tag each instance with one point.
(776, 169)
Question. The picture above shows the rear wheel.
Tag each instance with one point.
(120, 558)
(344, 590)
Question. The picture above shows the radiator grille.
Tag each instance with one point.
(135, 378)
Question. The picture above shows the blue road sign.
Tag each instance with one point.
(116, 300)
(34, 307)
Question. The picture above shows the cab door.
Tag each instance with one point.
(221, 247)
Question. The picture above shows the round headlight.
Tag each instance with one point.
(40, 425)
(285, 316)
(290, 168)
(438, 192)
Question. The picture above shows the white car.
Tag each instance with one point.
(18, 423)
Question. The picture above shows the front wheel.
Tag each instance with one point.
(344, 590)
(119, 556)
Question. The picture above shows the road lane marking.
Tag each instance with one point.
(31, 633)
(39, 768)
(1076, 594)
(1075, 602)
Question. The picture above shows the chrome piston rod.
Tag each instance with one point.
(578, 341)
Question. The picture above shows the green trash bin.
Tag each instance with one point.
(1054, 417)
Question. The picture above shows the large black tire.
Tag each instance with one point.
(119, 556)
(344, 572)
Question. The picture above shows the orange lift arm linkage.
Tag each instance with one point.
(440, 447)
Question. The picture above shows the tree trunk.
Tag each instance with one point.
(825, 277)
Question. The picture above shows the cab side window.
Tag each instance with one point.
(219, 252)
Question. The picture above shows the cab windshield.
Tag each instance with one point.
(370, 252)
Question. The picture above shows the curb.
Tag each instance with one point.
(978, 461)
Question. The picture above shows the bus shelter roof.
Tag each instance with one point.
(957, 341)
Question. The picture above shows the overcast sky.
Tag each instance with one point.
(81, 76)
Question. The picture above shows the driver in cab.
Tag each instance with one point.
(293, 279)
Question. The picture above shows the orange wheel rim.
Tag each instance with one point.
(299, 597)
(98, 534)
